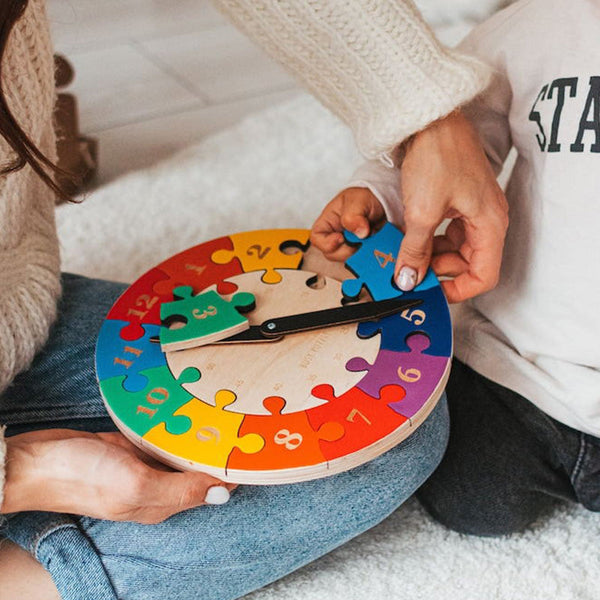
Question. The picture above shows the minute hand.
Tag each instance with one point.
(331, 317)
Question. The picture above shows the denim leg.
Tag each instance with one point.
(507, 462)
(212, 552)
(264, 532)
(60, 388)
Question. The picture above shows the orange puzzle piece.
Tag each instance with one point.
(365, 419)
(290, 440)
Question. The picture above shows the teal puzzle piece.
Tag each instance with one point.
(191, 320)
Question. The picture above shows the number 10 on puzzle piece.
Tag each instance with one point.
(191, 321)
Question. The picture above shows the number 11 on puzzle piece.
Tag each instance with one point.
(191, 321)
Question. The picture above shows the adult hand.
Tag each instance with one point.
(354, 209)
(99, 475)
(446, 175)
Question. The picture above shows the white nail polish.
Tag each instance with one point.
(407, 279)
(217, 495)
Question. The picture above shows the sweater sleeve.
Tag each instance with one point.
(29, 253)
(374, 63)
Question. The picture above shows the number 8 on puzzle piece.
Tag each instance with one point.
(191, 321)
(373, 264)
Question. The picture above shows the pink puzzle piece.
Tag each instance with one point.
(419, 374)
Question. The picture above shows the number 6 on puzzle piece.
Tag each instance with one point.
(191, 321)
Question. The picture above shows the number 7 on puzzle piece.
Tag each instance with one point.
(191, 321)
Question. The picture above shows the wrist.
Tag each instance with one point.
(23, 482)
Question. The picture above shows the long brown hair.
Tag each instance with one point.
(26, 151)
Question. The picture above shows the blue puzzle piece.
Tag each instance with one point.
(432, 318)
(116, 356)
(373, 265)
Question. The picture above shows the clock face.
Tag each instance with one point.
(306, 406)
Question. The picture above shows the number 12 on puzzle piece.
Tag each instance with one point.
(191, 321)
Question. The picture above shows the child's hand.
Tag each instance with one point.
(355, 209)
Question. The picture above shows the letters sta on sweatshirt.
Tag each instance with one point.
(537, 331)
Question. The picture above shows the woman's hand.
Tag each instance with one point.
(99, 475)
(446, 175)
(354, 209)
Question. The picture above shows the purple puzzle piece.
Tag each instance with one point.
(419, 374)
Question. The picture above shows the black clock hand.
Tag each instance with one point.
(273, 330)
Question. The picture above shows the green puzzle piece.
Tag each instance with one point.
(156, 403)
(192, 320)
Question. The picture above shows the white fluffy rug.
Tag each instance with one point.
(277, 169)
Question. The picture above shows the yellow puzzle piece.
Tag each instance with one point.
(212, 436)
(258, 250)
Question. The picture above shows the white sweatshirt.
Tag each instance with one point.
(538, 332)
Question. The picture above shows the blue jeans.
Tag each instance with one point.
(212, 552)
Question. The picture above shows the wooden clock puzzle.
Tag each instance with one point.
(248, 358)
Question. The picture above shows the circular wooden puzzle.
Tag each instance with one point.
(244, 357)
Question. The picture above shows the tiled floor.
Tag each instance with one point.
(153, 76)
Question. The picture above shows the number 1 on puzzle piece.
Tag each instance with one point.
(191, 321)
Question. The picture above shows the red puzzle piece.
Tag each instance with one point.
(140, 304)
(365, 419)
(290, 440)
(195, 268)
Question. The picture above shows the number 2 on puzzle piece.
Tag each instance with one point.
(214, 433)
(263, 250)
(290, 439)
(373, 265)
(418, 373)
(191, 321)
(154, 404)
(365, 419)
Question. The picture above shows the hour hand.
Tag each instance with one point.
(274, 329)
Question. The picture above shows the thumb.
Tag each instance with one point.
(414, 256)
(188, 490)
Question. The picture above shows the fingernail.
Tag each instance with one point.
(406, 279)
(362, 233)
(217, 495)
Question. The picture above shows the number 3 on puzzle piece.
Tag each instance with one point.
(191, 320)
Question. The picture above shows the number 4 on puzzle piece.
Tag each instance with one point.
(191, 321)
(373, 264)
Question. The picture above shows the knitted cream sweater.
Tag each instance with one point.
(29, 260)
(374, 63)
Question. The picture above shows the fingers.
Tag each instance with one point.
(355, 209)
(416, 248)
(167, 494)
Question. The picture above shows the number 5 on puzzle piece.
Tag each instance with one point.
(212, 436)
(373, 264)
(191, 321)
